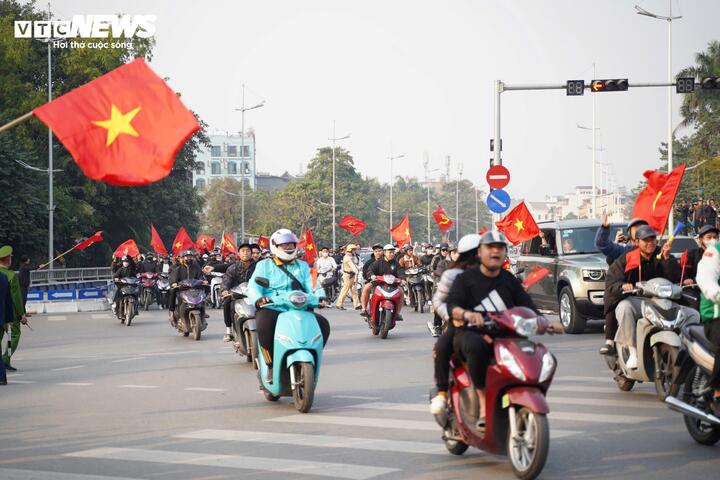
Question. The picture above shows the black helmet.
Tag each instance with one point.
(443, 246)
(634, 222)
(707, 229)
(378, 245)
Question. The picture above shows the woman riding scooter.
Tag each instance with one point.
(285, 273)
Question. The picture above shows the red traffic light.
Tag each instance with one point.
(609, 85)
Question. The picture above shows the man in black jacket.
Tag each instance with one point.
(187, 269)
(239, 272)
(622, 277)
(367, 288)
(122, 268)
(24, 276)
(386, 265)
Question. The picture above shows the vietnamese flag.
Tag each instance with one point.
(263, 242)
(352, 225)
(127, 249)
(683, 264)
(307, 241)
(655, 201)
(536, 274)
(182, 242)
(632, 260)
(227, 245)
(205, 242)
(95, 238)
(483, 230)
(518, 225)
(444, 223)
(156, 242)
(124, 127)
(401, 232)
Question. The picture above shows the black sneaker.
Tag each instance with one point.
(10, 368)
(399, 318)
(608, 349)
(365, 314)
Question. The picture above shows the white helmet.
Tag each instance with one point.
(278, 238)
(468, 242)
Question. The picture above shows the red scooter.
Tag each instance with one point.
(385, 304)
(518, 378)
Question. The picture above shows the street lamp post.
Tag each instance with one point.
(334, 139)
(669, 19)
(457, 204)
(242, 110)
(427, 185)
(392, 158)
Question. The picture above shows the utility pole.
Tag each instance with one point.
(334, 139)
(457, 202)
(392, 181)
(243, 164)
(51, 204)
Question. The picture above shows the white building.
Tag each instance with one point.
(228, 156)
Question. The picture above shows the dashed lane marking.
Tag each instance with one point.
(356, 397)
(204, 389)
(74, 367)
(128, 359)
(74, 384)
(239, 462)
(139, 386)
(15, 474)
(57, 318)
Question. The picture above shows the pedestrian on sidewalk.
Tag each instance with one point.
(18, 317)
(350, 271)
(6, 315)
(24, 276)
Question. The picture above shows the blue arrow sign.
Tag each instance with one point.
(498, 201)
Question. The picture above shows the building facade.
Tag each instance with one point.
(229, 156)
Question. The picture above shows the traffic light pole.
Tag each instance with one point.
(499, 87)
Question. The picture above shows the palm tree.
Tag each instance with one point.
(702, 104)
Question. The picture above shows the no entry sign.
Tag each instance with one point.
(498, 176)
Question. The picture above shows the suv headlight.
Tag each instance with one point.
(508, 360)
(593, 275)
(548, 367)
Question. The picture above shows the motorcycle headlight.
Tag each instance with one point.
(548, 367)
(664, 291)
(525, 326)
(652, 315)
(508, 360)
(593, 275)
(389, 278)
(298, 299)
(286, 340)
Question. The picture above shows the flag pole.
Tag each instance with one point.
(17, 121)
(58, 257)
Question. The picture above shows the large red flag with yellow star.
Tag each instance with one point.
(123, 128)
(227, 244)
(654, 203)
(401, 232)
(518, 225)
(182, 242)
(307, 242)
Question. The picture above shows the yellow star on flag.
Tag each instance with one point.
(407, 232)
(178, 244)
(118, 123)
(310, 246)
(519, 225)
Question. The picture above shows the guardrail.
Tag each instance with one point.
(69, 275)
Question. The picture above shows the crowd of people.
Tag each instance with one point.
(698, 213)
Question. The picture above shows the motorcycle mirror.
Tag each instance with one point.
(263, 282)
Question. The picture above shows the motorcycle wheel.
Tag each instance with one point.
(385, 324)
(253, 349)
(269, 396)
(420, 296)
(528, 453)
(624, 383)
(456, 447)
(702, 432)
(304, 391)
(146, 301)
(128, 313)
(375, 330)
(665, 356)
(196, 323)
(247, 337)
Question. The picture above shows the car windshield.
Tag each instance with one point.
(575, 241)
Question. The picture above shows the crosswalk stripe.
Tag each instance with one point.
(204, 389)
(75, 384)
(555, 415)
(139, 386)
(587, 389)
(74, 367)
(15, 474)
(320, 441)
(601, 402)
(578, 378)
(57, 318)
(297, 467)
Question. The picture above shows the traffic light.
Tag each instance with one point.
(710, 83)
(575, 87)
(685, 85)
(609, 85)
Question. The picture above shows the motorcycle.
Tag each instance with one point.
(127, 303)
(657, 339)
(297, 352)
(386, 300)
(163, 290)
(517, 381)
(329, 282)
(148, 281)
(190, 309)
(243, 326)
(695, 363)
(415, 282)
(215, 279)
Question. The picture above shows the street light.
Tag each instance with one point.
(427, 185)
(244, 109)
(593, 129)
(391, 158)
(669, 19)
(457, 203)
(334, 139)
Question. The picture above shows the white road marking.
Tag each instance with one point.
(320, 441)
(571, 378)
(177, 352)
(100, 316)
(128, 359)
(587, 389)
(10, 375)
(75, 384)
(204, 389)
(139, 386)
(297, 467)
(601, 402)
(57, 318)
(16, 474)
(357, 397)
(21, 381)
(74, 367)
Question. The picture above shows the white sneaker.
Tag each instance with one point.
(438, 405)
(632, 361)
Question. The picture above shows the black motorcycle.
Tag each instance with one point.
(329, 283)
(190, 309)
(243, 325)
(695, 398)
(126, 306)
(163, 290)
(415, 278)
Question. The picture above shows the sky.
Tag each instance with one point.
(415, 78)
